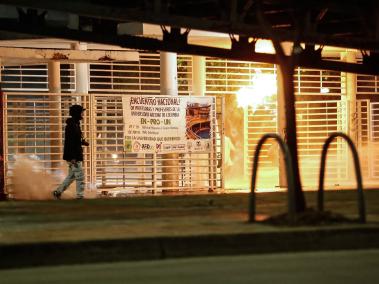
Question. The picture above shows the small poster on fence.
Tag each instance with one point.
(175, 124)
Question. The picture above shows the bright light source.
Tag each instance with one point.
(262, 87)
(325, 90)
(114, 156)
(264, 46)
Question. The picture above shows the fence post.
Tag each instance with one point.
(154, 172)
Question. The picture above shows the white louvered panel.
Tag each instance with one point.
(313, 82)
(34, 78)
(367, 84)
(138, 77)
(227, 77)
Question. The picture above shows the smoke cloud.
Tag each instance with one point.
(30, 181)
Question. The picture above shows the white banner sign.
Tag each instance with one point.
(168, 124)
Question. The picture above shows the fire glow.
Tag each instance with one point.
(262, 87)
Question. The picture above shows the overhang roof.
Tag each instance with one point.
(345, 23)
(341, 23)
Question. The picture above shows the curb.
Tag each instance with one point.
(94, 251)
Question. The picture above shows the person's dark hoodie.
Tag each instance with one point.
(73, 140)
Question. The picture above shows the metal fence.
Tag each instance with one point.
(315, 121)
(320, 110)
(34, 126)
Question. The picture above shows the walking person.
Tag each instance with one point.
(73, 153)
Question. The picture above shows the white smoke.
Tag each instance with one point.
(31, 181)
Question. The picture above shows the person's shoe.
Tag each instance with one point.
(57, 194)
(79, 197)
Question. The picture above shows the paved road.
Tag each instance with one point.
(311, 267)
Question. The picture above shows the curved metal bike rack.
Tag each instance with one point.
(358, 175)
(289, 174)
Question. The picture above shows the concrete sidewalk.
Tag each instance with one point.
(348, 267)
(145, 228)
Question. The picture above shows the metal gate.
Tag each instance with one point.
(315, 121)
(115, 168)
(367, 138)
(34, 127)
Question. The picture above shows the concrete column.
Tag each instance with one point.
(54, 69)
(201, 162)
(350, 94)
(281, 125)
(198, 76)
(82, 87)
(55, 113)
(81, 71)
(169, 87)
(168, 74)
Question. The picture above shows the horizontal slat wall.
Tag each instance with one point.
(259, 122)
(138, 77)
(31, 124)
(311, 82)
(316, 120)
(110, 163)
(319, 112)
(227, 77)
(363, 126)
(34, 127)
(113, 166)
(374, 108)
(367, 84)
(34, 78)
(367, 125)
(224, 78)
